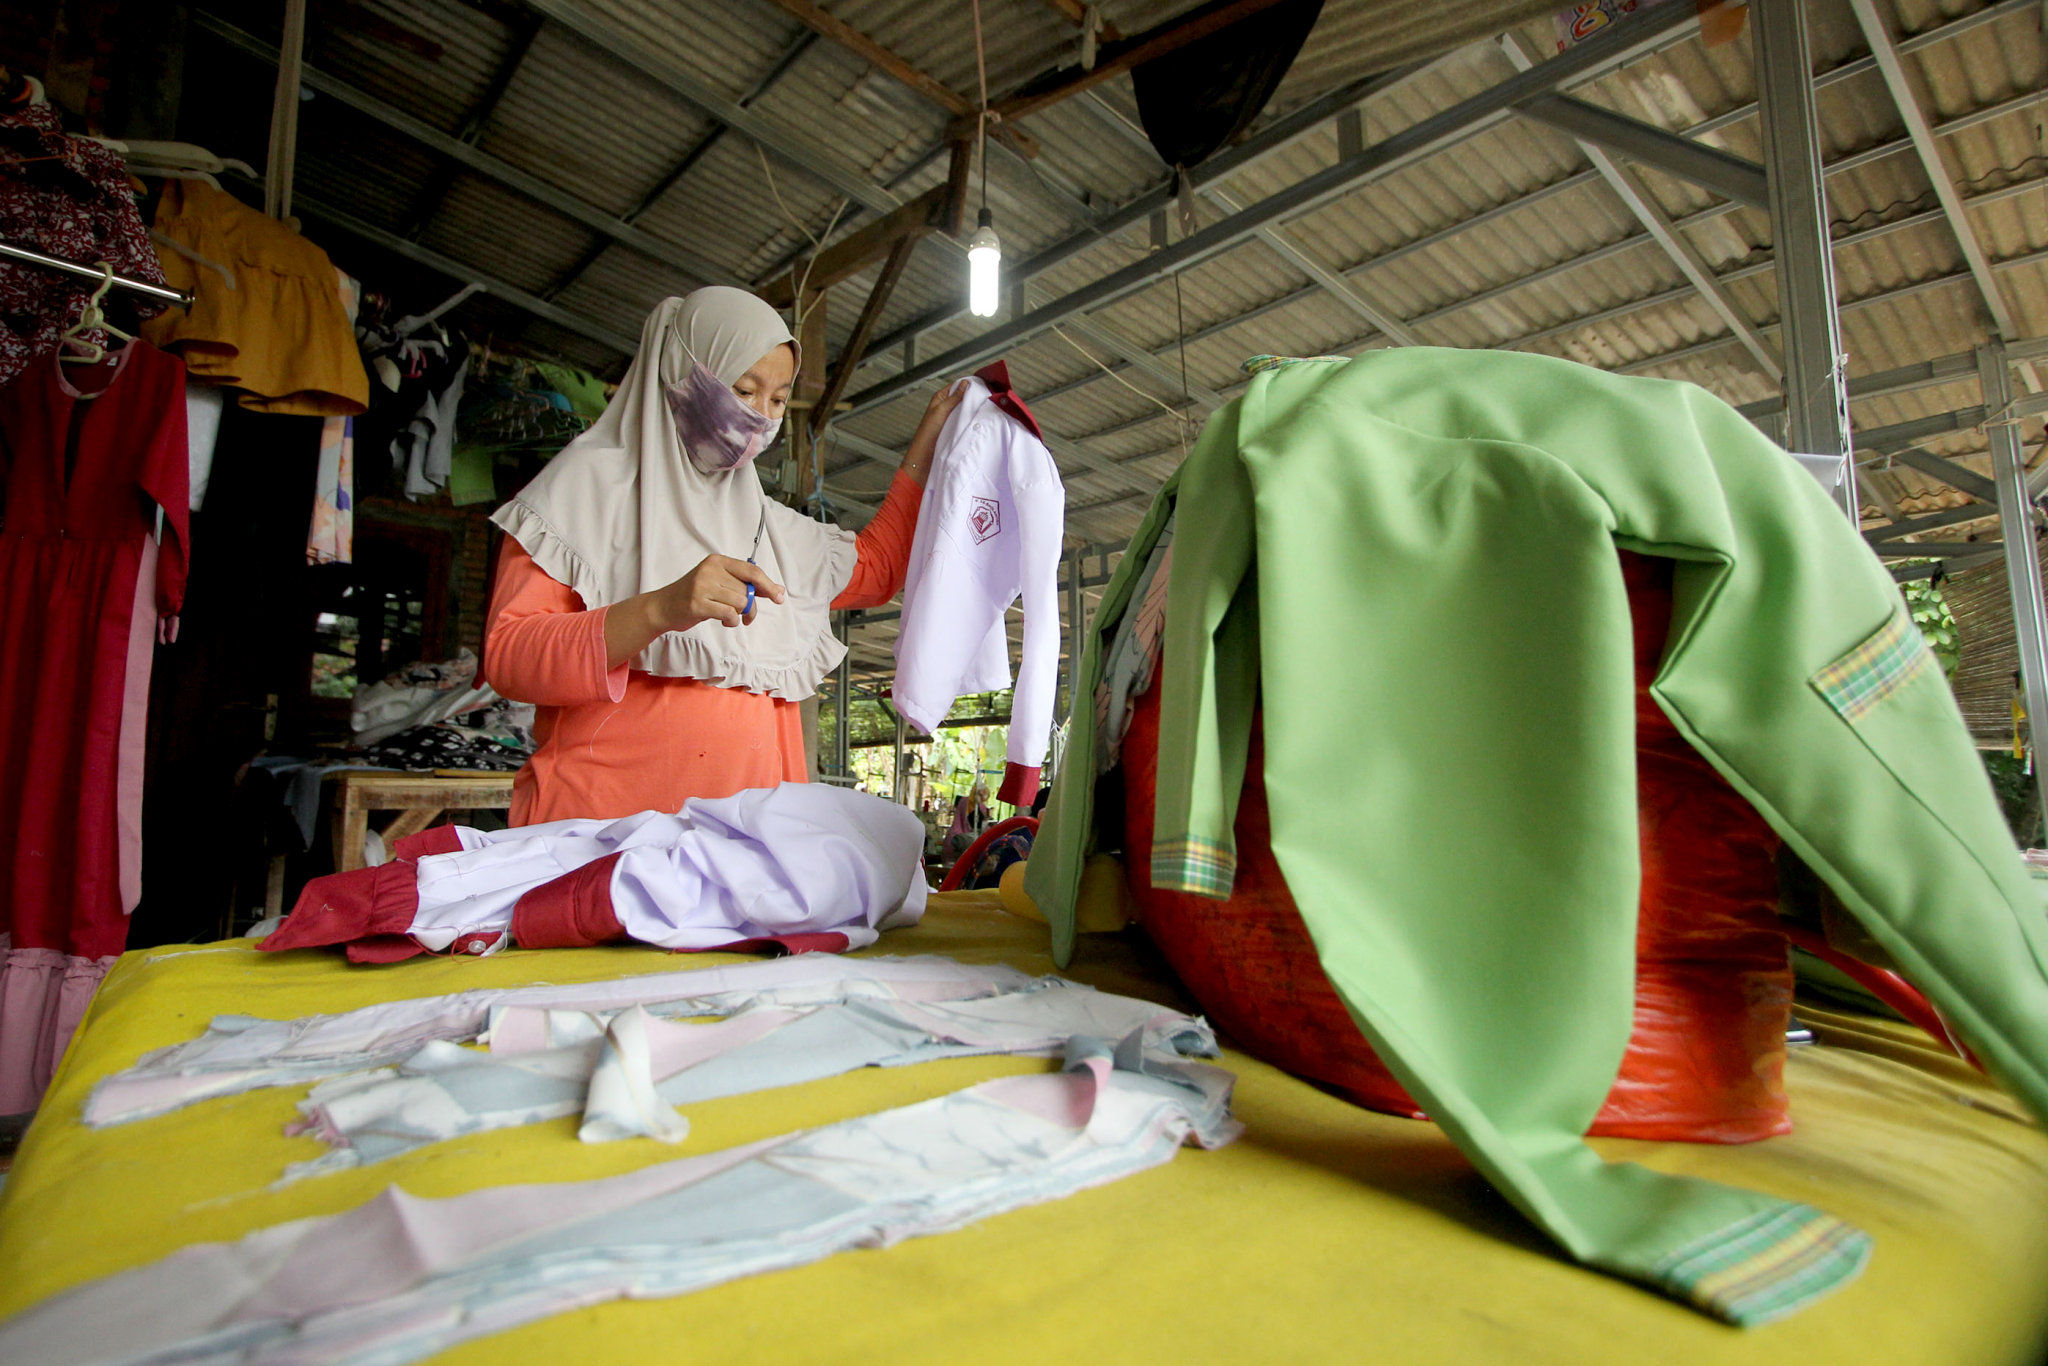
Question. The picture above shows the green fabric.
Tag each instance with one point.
(472, 476)
(1440, 633)
(586, 393)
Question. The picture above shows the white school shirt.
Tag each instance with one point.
(989, 531)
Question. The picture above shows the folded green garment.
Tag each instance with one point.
(1408, 560)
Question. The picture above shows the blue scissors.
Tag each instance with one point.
(748, 610)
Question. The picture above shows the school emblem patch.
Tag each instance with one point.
(986, 519)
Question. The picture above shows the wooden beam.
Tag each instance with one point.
(1116, 59)
(864, 327)
(868, 50)
(856, 251)
(952, 220)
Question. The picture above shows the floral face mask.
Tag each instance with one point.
(719, 431)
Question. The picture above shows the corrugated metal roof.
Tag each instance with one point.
(1505, 239)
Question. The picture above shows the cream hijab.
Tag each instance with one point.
(623, 511)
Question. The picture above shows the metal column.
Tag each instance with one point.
(1816, 390)
(2022, 556)
(896, 783)
(842, 720)
(1077, 611)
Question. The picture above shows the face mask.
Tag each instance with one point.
(719, 431)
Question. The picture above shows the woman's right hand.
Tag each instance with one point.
(716, 590)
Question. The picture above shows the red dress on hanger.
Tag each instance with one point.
(88, 455)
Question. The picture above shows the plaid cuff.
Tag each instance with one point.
(1874, 670)
(1256, 365)
(1198, 866)
(1767, 1266)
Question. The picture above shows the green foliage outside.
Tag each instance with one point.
(2018, 798)
(952, 761)
(2017, 794)
(1931, 615)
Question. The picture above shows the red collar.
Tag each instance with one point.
(996, 375)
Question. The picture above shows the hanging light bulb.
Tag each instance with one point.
(984, 268)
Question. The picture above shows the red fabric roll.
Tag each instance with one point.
(1705, 1061)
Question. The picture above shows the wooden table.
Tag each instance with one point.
(419, 798)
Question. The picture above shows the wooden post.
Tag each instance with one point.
(864, 327)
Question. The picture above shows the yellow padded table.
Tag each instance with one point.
(1327, 1233)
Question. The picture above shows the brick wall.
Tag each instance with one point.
(471, 539)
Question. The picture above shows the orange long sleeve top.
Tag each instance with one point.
(617, 741)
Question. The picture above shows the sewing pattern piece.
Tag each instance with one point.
(238, 1053)
(421, 1275)
(625, 1073)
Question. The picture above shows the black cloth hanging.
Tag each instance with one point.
(1196, 98)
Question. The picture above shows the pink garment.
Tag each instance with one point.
(43, 996)
(142, 636)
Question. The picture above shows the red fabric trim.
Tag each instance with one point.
(384, 948)
(824, 941)
(1020, 785)
(435, 839)
(572, 912)
(343, 908)
(996, 375)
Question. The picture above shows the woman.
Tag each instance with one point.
(620, 604)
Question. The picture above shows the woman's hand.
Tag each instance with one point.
(716, 590)
(917, 461)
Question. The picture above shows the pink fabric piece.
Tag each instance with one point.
(1067, 1099)
(43, 996)
(520, 1029)
(672, 1044)
(142, 633)
(394, 1241)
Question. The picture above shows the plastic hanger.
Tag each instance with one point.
(81, 350)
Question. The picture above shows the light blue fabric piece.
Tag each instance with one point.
(240, 1053)
(611, 1078)
(401, 1278)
